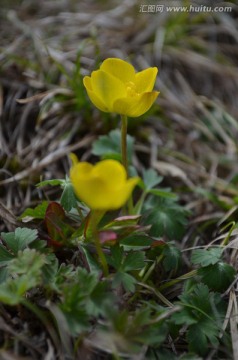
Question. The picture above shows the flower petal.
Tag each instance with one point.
(91, 193)
(103, 186)
(80, 170)
(107, 88)
(145, 80)
(136, 106)
(73, 158)
(92, 96)
(87, 82)
(87, 187)
(97, 102)
(114, 198)
(111, 172)
(119, 68)
(122, 195)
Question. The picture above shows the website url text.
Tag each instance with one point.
(190, 9)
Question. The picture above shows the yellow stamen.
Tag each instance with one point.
(131, 89)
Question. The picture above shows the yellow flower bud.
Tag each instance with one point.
(103, 186)
(116, 87)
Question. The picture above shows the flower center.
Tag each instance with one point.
(131, 90)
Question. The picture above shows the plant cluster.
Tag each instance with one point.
(105, 269)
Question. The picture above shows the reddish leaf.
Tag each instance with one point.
(124, 221)
(57, 227)
(159, 242)
(107, 237)
(128, 217)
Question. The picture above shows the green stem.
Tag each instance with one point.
(157, 293)
(139, 204)
(94, 219)
(124, 142)
(189, 275)
(148, 272)
(124, 156)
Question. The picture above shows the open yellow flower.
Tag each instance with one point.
(116, 87)
(103, 186)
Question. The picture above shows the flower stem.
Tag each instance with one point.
(124, 156)
(95, 217)
(124, 142)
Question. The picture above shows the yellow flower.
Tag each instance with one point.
(116, 87)
(103, 186)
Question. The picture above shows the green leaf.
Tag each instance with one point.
(197, 340)
(68, 199)
(10, 241)
(5, 256)
(190, 356)
(92, 263)
(161, 354)
(87, 281)
(184, 317)
(64, 273)
(199, 334)
(152, 335)
(166, 217)
(110, 145)
(53, 182)
(77, 319)
(79, 299)
(203, 312)
(20, 239)
(126, 280)
(165, 193)
(133, 261)
(28, 262)
(37, 213)
(39, 245)
(125, 262)
(3, 274)
(9, 294)
(204, 300)
(142, 331)
(151, 179)
(218, 276)
(172, 257)
(137, 240)
(206, 257)
(23, 273)
(116, 257)
(50, 269)
(100, 300)
(25, 237)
